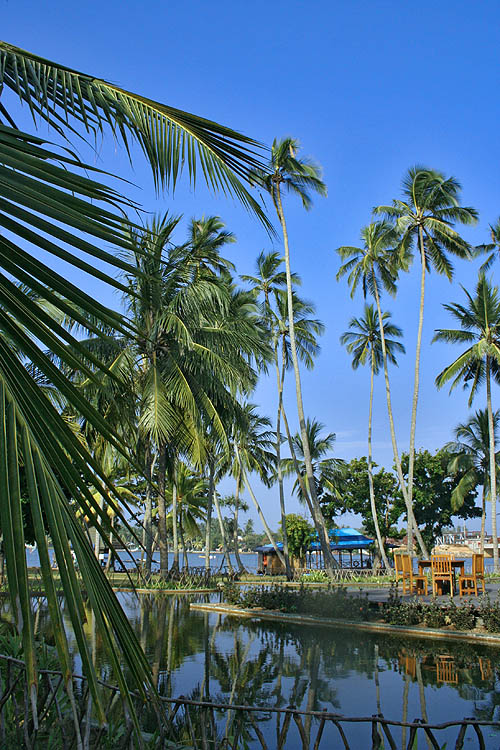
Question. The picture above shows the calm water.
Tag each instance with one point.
(274, 664)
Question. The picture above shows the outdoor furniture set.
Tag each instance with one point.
(443, 570)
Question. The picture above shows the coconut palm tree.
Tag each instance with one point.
(493, 247)
(328, 472)
(50, 206)
(252, 441)
(471, 455)
(424, 220)
(287, 172)
(269, 283)
(479, 321)
(375, 267)
(363, 341)
(187, 491)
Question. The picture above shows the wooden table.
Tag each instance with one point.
(455, 565)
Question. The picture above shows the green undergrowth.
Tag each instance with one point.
(337, 603)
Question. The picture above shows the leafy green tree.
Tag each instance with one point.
(363, 341)
(434, 486)
(356, 498)
(50, 207)
(300, 535)
(375, 267)
(479, 322)
(424, 219)
(470, 455)
(298, 176)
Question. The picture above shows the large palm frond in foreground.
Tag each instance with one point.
(50, 208)
(170, 138)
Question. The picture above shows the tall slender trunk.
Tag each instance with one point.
(175, 521)
(483, 520)
(493, 472)
(268, 531)
(210, 501)
(370, 470)
(111, 553)
(162, 511)
(413, 425)
(241, 567)
(397, 461)
(222, 528)
(280, 381)
(318, 517)
(148, 513)
(183, 545)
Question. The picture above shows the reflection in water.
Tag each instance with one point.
(223, 659)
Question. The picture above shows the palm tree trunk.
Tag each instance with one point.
(370, 470)
(483, 521)
(162, 512)
(208, 530)
(241, 567)
(148, 513)
(413, 425)
(280, 379)
(183, 546)
(397, 461)
(111, 553)
(222, 528)
(318, 518)
(175, 522)
(493, 472)
(268, 531)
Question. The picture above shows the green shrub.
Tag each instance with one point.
(231, 593)
(398, 612)
(434, 615)
(462, 617)
(490, 614)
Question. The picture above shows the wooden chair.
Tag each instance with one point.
(398, 568)
(467, 583)
(416, 583)
(442, 572)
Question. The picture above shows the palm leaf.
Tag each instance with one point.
(170, 138)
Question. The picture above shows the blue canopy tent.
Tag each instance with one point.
(342, 541)
(346, 540)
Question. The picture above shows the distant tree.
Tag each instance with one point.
(433, 488)
(300, 535)
(356, 498)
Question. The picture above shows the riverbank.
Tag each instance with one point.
(482, 638)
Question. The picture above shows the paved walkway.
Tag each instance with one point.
(381, 594)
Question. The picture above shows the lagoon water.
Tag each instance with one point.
(227, 659)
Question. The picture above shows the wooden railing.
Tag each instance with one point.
(65, 719)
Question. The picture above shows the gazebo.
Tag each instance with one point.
(350, 548)
(349, 545)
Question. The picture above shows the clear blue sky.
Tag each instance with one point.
(369, 88)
